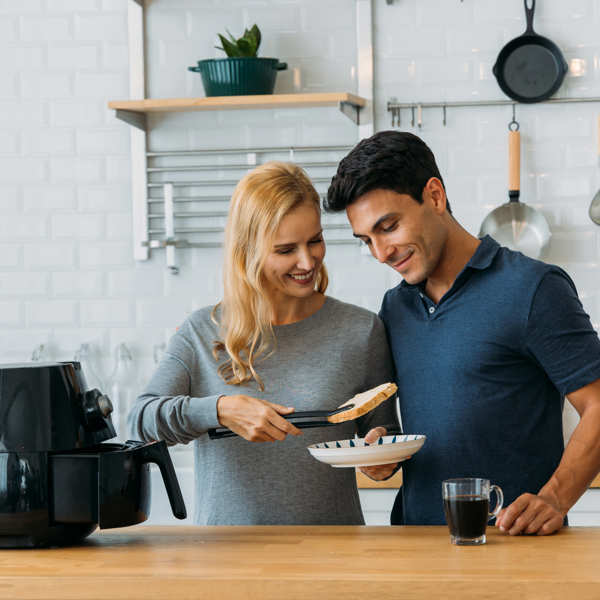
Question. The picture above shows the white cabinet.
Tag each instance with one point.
(586, 511)
(377, 505)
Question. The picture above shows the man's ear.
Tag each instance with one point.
(435, 193)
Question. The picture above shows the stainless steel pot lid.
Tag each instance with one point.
(518, 227)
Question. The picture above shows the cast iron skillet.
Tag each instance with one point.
(530, 68)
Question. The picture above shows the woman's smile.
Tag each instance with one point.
(302, 278)
(292, 266)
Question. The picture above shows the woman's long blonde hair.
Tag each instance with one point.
(260, 201)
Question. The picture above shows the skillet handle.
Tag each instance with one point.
(514, 165)
(529, 15)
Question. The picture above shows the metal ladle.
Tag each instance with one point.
(595, 204)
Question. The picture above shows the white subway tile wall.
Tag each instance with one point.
(67, 273)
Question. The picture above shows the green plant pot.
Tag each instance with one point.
(238, 76)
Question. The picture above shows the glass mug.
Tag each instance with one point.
(467, 505)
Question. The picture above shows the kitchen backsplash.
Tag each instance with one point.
(67, 273)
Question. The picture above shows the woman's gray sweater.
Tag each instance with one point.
(318, 363)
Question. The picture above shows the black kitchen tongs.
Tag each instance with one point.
(302, 420)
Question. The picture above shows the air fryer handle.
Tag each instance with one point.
(158, 454)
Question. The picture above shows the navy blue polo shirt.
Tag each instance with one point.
(483, 375)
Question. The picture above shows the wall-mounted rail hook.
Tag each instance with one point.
(419, 116)
(514, 124)
(395, 110)
(444, 115)
(412, 115)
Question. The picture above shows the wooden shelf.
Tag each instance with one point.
(134, 111)
(236, 102)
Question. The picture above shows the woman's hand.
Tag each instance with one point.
(254, 419)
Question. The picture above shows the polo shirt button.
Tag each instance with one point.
(431, 310)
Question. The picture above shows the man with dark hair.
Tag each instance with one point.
(486, 344)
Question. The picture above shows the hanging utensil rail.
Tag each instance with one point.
(394, 107)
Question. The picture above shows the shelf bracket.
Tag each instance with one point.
(352, 111)
(132, 118)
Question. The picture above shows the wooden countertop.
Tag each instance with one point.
(305, 562)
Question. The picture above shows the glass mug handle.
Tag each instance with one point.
(499, 502)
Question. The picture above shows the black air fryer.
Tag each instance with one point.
(58, 481)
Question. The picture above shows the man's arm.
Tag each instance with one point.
(543, 513)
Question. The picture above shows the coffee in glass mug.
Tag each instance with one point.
(467, 508)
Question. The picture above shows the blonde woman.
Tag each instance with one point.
(275, 343)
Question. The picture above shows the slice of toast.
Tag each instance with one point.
(364, 402)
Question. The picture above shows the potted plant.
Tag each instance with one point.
(242, 72)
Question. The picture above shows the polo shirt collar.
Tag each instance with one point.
(485, 254)
(482, 259)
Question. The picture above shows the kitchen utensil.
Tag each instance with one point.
(123, 388)
(595, 204)
(357, 453)
(58, 481)
(530, 68)
(40, 353)
(515, 224)
(356, 407)
(84, 356)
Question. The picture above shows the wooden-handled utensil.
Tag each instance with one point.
(515, 224)
(356, 407)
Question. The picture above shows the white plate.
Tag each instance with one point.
(357, 453)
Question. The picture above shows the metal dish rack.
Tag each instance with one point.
(189, 191)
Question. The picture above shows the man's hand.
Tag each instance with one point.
(378, 472)
(530, 513)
